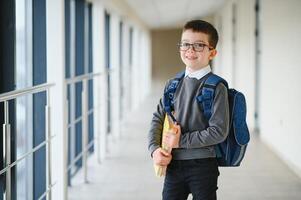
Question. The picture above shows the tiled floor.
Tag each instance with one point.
(127, 173)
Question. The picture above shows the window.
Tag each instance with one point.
(121, 68)
(39, 100)
(131, 47)
(78, 21)
(7, 78)
(108, 66)
(89, 57)
(23, 63)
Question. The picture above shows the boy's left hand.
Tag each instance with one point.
(172, 137)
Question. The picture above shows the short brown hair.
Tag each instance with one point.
(203, 27)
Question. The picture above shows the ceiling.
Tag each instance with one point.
(172, 13)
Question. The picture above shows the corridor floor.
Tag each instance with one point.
(127, 173)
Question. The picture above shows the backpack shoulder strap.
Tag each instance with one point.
(169, 92)
(207, 92)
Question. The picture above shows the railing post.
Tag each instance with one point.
(85, 127)
(98, 111)
(7, 150)
(48, 146)
(65, 151)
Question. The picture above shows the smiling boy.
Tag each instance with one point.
(192, 166)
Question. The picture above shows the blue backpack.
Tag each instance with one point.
(232, 150)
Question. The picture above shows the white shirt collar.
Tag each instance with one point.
(199, 73)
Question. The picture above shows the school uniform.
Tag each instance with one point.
(193, 168)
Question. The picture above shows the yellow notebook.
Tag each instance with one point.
(168, 124)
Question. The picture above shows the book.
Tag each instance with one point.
(167, 125)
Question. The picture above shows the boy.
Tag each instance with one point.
(192, 165)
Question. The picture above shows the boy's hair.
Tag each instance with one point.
(203, 27)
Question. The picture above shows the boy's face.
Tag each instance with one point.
(196, 57)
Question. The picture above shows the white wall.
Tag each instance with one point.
(279, 70)
(280, 95)
(135, 69)
(56, 74)
(115, 79)
(126, 70)
(223, 60)
(100, 86)
(244, 79)
(141, 67)
(146, 70)
(236, 61)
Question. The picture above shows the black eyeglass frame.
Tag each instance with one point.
(193, 46)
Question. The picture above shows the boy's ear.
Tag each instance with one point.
(213, 53)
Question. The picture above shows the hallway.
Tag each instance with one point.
(127, 172)
(76, 81)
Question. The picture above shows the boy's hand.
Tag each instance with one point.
(172, 137)
(161, 157)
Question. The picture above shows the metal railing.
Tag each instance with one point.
(86, 144)
(84, 79)
(5, 98)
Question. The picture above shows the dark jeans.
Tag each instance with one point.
(197, 176)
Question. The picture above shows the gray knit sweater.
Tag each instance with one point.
(198, 135)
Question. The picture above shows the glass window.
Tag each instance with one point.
(89, 63)
(78, 18)
(23, 77)
(107, 63)
(121, 69)
(131, 46)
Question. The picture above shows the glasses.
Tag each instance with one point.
(199, 47)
